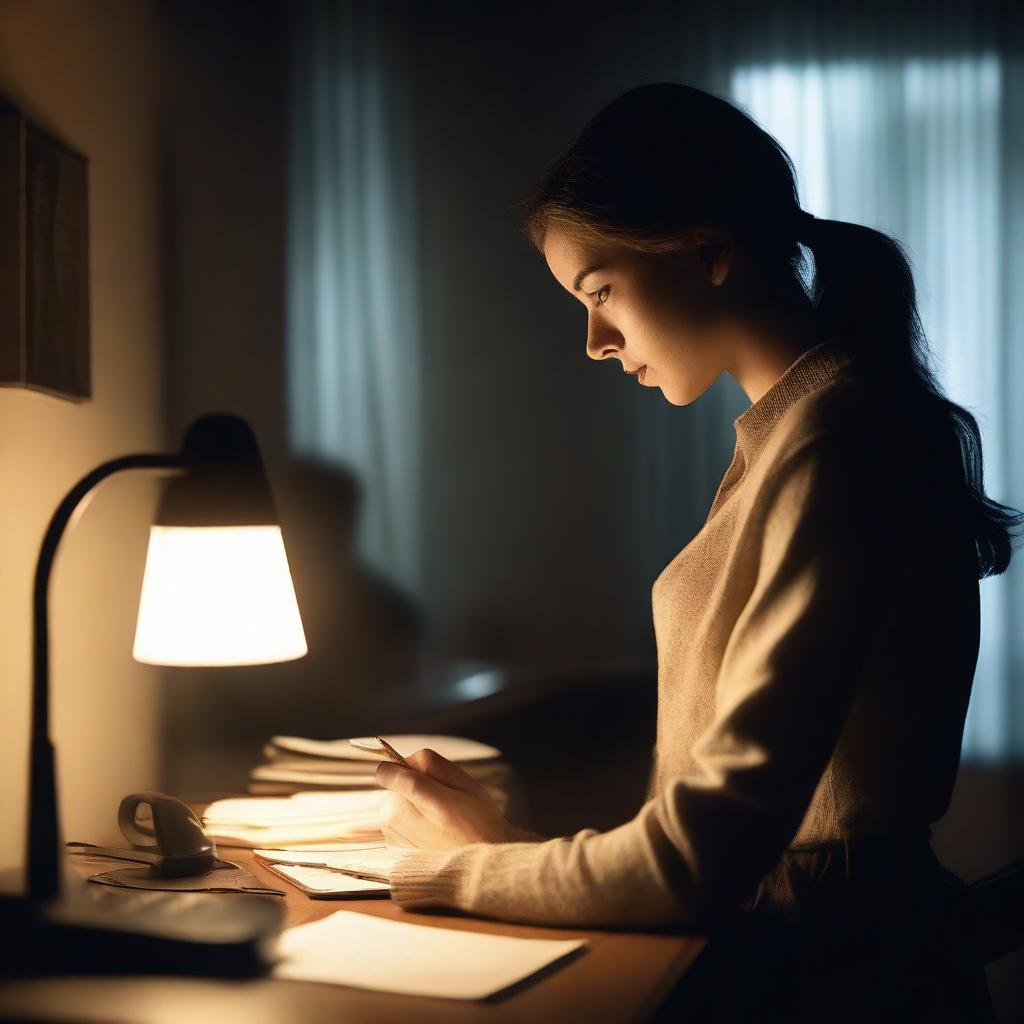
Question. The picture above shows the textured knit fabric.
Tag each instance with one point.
(816, 644)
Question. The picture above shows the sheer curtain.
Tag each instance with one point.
(353, 345)
(926, 146)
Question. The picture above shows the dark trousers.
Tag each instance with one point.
(866, 930)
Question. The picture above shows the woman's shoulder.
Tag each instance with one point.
(861, 434)
(845, 413)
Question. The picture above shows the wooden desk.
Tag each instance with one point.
(622, 976)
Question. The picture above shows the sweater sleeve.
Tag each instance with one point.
(824, 565)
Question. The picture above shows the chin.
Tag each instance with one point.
(685, 394)
(674, 397)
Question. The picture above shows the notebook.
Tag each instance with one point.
(323, 884)
(373, 863)
(324, 875)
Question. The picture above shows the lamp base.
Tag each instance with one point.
(140, 933)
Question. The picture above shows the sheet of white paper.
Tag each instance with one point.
(307, 768)
(455, 748)
(334, 883)
(349, 948)
(363, 831)
(341, 780)
(305, 763)
(333, 847)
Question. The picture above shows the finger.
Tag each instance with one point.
(428, 796)
(437, 766)
(401, 819)
(393, 838)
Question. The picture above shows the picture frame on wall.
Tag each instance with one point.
(44, 262)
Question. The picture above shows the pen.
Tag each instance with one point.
(391, 754)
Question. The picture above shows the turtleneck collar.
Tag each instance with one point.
(812, 369)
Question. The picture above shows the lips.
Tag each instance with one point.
(638, 372)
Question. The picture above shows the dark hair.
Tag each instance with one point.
(665, 157)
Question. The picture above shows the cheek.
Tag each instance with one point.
(669, 310)
(667, 337)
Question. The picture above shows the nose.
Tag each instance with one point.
(603, 340)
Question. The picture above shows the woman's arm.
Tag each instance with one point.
(619, 878)
(826, 572)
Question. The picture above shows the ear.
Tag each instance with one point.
(715, 252)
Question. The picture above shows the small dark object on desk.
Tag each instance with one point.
(171, 841)
(173, 831)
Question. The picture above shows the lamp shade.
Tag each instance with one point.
(217, 595)
(217, 589)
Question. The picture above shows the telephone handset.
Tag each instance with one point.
(171, 831)
(164, 833)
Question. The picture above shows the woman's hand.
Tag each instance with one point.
(436, 805)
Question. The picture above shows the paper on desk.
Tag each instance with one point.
(358, 781)
(375, 862)
(455, 748)
(343, 846)
(349, 948)
(309, 818)
(299, 807)
(333, 883)
(329, 833)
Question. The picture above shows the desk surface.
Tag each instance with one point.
(622, 976)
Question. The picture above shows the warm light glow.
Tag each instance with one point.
(217, 595)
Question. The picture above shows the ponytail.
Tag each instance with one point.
(864, 292)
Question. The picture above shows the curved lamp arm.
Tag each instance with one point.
(42, 863)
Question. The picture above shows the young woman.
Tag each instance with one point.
(816, 639)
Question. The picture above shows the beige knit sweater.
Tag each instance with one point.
(816, 644)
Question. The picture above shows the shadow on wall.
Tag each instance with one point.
(354, 617)
(364, 637)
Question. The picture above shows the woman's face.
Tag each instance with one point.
(656, 313)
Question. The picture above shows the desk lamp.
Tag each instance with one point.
(216, 591)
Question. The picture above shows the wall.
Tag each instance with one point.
(86, 72)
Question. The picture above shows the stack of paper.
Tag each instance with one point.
(338, 821)
(349, 948)
(295, 764)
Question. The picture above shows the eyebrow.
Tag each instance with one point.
(583, 273)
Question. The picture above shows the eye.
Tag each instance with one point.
(602, 291)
